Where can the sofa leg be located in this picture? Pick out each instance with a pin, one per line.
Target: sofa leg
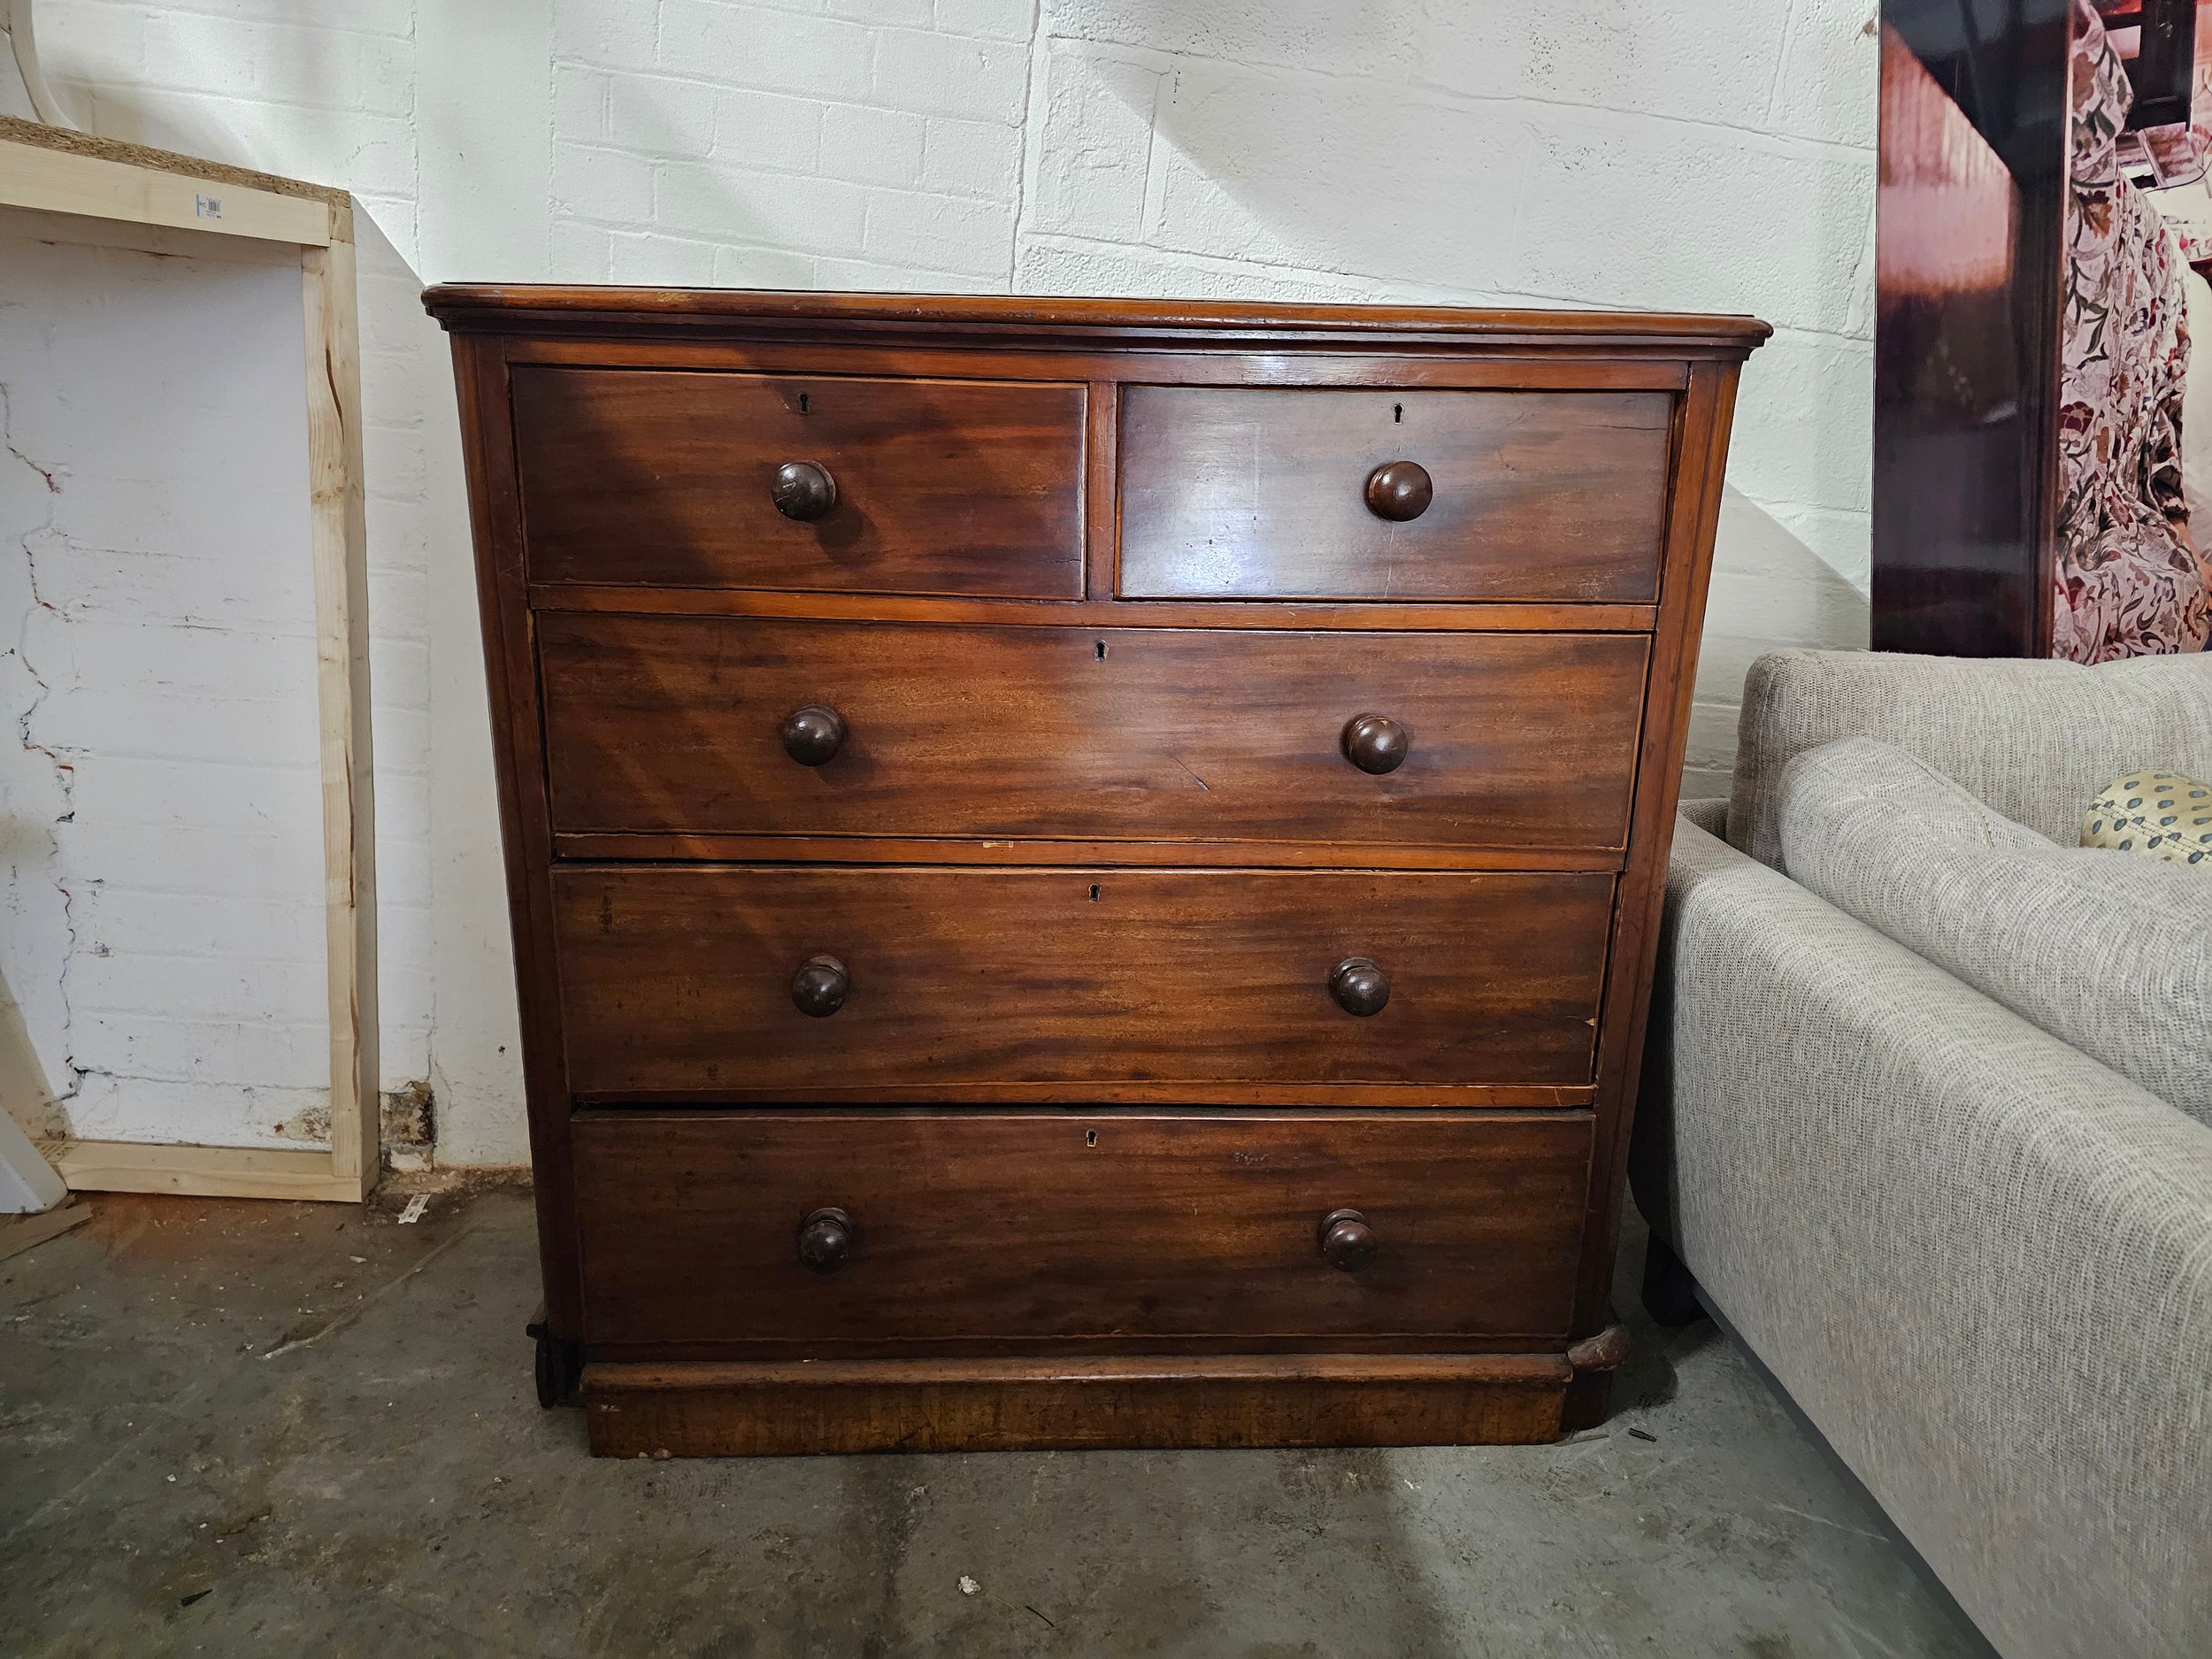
(1669, 1288)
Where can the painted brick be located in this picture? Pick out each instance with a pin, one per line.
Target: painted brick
(613, 36)
(995, 20)
(651, 260)
(949, 232)
(1720, 68)
(895, 11)
(1347, 37)
(1093, 155)
(579, 102)
(1792, 218)
(870, 146)
(1829, 70)
(764, 268)
(973, 158)
(1281, 169)
(135, 1109)
(807, 215)
(762, 129)
(942, 74)
(770, 50)
(579, 253)
(607, 185)
(873, 276)
(658, 116)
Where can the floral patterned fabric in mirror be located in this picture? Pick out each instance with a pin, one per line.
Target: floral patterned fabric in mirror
(2130, 580)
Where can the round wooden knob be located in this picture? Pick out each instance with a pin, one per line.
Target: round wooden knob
(1399, 490)
(1346, 1240)
(805, 490)
(819, 987)
(812, 734)
(826, 1241)
(1376, 743)
(1359, 986)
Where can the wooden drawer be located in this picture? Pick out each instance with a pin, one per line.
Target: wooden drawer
(942, 486)
(1006, 1226)
(1235, 492)
(672, 724)
(677, 982)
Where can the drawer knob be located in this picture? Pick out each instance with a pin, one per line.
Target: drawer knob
(1400, 491)
(1359, 986)
(819, 987)
(826, 1241)
(811, 736)
(1376, 743)
(1346, 1240)
(805, 490)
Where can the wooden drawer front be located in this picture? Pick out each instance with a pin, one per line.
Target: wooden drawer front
(1011, 1225)
(943, 487)
(676, 981)
(1248, 493)
(672, 724)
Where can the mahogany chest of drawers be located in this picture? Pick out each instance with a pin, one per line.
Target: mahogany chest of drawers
(1084, 872)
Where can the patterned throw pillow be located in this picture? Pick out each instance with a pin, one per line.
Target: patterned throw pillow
(2158, 814)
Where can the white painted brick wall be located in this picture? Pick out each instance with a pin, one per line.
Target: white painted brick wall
(1586, 152)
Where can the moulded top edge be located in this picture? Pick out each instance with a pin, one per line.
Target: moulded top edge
(503, 306)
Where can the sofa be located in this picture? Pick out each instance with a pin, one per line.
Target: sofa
(1975, 1254)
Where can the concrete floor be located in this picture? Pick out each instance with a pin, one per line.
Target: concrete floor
(239, 1428)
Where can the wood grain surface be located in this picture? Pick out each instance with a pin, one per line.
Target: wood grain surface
(944, 487)
(676, 982)
(1071, 1224)
(772, 1410)
(670, 724)
(1244, 493)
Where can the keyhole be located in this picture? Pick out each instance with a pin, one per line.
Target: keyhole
(1090, 1137)
(1102, 651)
(1397, 411)
(1093, 892)
(803, 400)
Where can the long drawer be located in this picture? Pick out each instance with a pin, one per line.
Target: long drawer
(773, 982)
(675, 725)
(695, 1227)
(899, 485)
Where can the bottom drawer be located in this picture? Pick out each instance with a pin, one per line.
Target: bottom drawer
(965, 1227)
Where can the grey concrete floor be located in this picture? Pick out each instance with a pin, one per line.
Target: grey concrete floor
(240, 1428)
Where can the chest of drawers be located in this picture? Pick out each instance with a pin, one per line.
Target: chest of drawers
(1083, 873)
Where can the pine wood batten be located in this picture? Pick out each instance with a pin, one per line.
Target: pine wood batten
(51, 170)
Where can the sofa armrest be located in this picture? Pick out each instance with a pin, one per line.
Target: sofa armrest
(1978, 1260)
(1709, 816)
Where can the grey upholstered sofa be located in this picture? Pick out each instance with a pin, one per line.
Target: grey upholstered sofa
(1979, 1260)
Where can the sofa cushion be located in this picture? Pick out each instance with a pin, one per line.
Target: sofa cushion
(2111, 953)
(2035, 740)
(2155, 814)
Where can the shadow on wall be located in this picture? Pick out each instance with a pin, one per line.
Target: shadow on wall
(1637, 165)
(1771, 591)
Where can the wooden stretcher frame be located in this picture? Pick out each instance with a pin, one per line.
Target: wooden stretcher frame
(56, 170)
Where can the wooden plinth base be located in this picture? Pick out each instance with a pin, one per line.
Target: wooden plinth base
(707, 1410)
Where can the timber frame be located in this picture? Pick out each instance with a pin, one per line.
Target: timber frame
(56, 170)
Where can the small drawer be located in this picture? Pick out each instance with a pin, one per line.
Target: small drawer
(708, 981)
(677, 725)
(1231, 493)
(704, 1229)
(899, 487)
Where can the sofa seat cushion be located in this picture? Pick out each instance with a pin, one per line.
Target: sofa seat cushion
(2109, 953)
(2155, 814)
